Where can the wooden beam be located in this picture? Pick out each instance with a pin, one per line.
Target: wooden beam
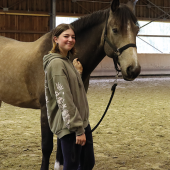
(83, 7)
(165, 7)
(105, 7)
(16, 3)
(19, 12)
(150, 19)
(23, 32)
(4, 3)
(158, 8)
(165, 36)
(63, 14)
(92, 1)
(150, 8)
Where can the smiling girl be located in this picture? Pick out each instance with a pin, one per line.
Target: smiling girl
(66, 101)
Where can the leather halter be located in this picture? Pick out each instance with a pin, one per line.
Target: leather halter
(117, 51)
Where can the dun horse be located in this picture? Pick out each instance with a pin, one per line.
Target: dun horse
(21, 64)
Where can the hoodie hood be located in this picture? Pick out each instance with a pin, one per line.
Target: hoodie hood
(47, 58)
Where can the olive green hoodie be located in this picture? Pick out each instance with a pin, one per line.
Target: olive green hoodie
(66, 101)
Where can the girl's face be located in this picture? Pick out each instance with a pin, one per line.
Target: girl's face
(66, 41)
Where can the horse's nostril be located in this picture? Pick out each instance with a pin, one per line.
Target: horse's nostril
(133, 72)
(129, 70)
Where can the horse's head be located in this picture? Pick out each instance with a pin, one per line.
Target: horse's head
(120, 39)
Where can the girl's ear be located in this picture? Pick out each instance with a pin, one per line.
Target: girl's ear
(55, 39)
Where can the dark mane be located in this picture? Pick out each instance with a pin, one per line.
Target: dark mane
(122, 15)
(90, 20)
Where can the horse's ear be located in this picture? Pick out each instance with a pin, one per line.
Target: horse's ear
(114, 5)
(131, 4)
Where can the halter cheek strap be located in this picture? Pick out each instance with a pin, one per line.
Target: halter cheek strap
(120, 50)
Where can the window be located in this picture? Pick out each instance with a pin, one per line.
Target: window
(66, 20)
(161, 43)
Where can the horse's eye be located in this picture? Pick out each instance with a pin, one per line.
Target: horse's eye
(115, 30)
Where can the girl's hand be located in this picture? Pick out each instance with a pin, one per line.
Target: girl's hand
(78, 65)
(81, 140)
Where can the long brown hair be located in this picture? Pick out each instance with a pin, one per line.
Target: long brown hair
(56, 32)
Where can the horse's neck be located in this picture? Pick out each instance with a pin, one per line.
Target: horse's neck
(89, 31)
(45, 43)
(90, 49)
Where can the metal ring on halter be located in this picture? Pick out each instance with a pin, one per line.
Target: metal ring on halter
(118, 52)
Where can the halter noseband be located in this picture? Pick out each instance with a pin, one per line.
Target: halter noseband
(117, 51)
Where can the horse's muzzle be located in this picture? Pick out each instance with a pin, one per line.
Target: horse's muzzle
(132, 72)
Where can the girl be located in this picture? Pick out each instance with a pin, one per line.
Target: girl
(67, 106)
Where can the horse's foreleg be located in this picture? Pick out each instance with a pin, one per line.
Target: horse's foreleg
(47, 139)
(86, 83)
(0, 103)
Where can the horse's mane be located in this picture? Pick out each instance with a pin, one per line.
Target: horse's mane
(122, 15)
(90, 20)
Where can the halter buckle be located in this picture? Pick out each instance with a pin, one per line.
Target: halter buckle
(118, 52)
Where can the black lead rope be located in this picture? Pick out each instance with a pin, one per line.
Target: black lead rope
(111, 97)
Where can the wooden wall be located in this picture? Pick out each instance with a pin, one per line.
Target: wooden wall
(24, 20)
(23, 28)
(147, 11)
(79, 8)
(27, 20)
(26, 5)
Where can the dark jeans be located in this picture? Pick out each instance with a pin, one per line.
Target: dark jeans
(77, 157)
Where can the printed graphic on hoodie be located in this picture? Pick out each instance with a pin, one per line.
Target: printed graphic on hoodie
(62, 105)
(46, 97)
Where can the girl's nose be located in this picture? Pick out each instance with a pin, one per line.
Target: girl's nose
(70, 39)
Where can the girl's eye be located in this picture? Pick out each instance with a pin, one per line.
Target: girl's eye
(115, 30)
(73, 37)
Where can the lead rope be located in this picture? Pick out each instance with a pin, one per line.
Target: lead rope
(111, 97)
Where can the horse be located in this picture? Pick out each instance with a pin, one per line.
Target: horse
(110, 32)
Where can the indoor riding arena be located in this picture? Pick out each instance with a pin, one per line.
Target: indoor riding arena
(135, 132)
